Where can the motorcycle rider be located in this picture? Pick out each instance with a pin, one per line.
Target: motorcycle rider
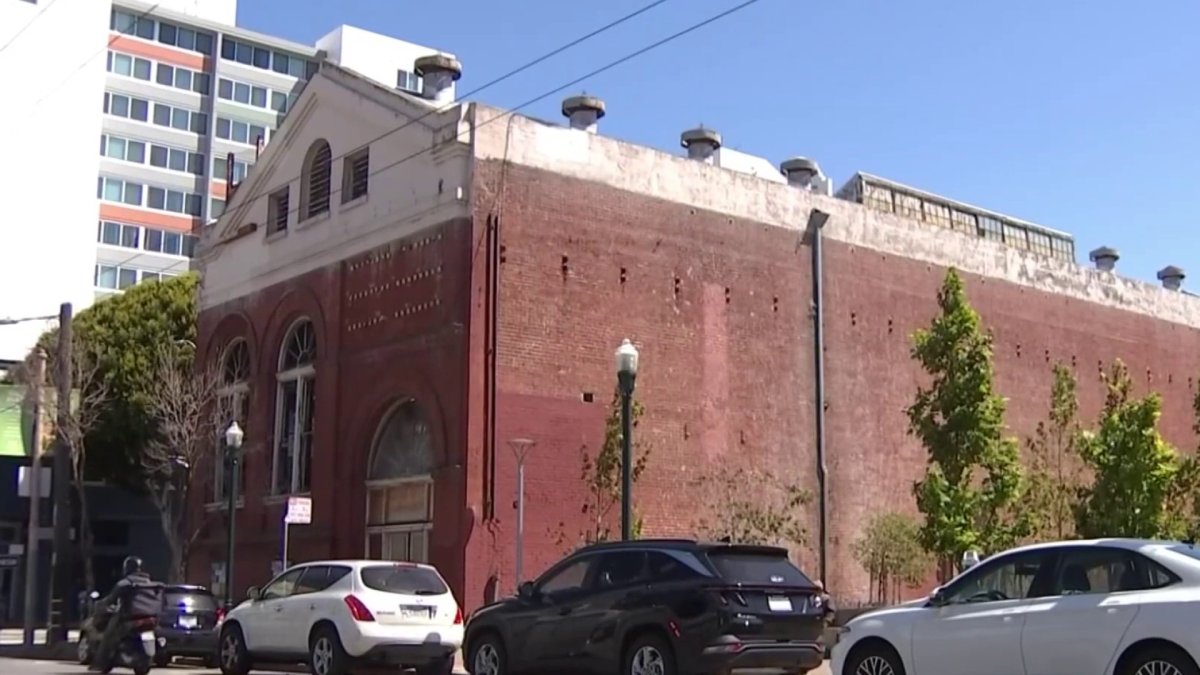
(136, 596)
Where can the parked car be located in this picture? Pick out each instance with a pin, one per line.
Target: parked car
(187, 626)
(1106, 606)
(337, 615)
(654, 606)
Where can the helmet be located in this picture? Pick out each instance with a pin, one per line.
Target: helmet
(132, 565)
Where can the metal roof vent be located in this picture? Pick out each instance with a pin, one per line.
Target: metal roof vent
(438, 74)
(1171, 277)
(1105, 258)
(584, 112)
(805, 174)
(701, 143)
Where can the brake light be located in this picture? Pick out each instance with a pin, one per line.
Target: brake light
(220, 615)
(458, 617)
(358, 610)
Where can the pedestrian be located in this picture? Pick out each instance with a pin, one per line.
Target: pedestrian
(827, 608)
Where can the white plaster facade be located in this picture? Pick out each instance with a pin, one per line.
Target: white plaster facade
(412, 200)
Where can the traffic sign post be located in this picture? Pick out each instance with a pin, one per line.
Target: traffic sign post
(299, 512)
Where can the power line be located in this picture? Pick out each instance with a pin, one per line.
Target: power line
(26, 319)
(516, 71)
(89, 59)
(608, 66)
(26, 26)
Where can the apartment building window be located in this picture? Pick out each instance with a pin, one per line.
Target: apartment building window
(175, 201)
(123, 148)
(221, 169)
(182, 78)
(129, 66)
(240, 132)
(406, 81)
(118, 234)
(169, 243)
(119, 105)
(278, 208)
(117, 278)
(216, 208)
(185, 38)
(253, 95)
(119, 191)
(991, 229)
(296, 66)
(129, 23)
(177, 160)
(180, 118)
(245, 53)
(356, 170)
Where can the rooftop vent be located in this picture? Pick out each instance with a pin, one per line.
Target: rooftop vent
(1171, 277)
(805, 174)
(438, 73)
(1105, 258)
(702, 144)
(584, 112)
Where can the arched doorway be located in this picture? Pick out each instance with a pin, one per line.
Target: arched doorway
(400, 486)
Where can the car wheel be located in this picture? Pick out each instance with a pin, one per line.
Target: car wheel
(1160, 661)
(873, 660)
(325, 653)
(649, 654)
(83, 651)
(235, 660)
(487, 656)
(442, 666)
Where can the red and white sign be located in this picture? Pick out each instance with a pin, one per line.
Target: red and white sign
(299, 511)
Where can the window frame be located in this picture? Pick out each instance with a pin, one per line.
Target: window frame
(304, 376)
(1143, 564)
(1050, 556)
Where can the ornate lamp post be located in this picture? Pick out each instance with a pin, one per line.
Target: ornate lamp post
(627, 365)
(233, 448)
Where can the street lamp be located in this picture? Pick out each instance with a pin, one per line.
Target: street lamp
(627, 365)
(520, 448)
(233, 445)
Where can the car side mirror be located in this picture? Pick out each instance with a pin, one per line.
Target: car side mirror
(525, 591)
(938, 597)
(252, 593)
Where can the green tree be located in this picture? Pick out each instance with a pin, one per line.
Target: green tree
(124, 334)
(889, 549)
(1054, 480)
(749, 506)
(974, 473)
(1135, 470)
(601, 476)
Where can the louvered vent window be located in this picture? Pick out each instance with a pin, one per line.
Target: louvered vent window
(355, 173)
(278, 210)
(317, 169)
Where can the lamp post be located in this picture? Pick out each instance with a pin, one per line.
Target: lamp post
(627, 365)
(520, 448)
(233, 446)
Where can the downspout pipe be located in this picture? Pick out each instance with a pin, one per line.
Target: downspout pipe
(816, 222)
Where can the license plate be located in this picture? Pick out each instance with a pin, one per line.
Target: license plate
(416, 612)
(779, 603)
(187, 622)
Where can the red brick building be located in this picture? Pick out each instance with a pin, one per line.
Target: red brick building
(466, 281)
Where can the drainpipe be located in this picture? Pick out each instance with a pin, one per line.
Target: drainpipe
(816, 221)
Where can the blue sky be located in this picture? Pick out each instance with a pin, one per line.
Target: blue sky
(1079, 115)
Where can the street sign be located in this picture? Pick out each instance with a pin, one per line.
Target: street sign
(24, 483)
(299, 511)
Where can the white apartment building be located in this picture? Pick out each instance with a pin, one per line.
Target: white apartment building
(125, 117)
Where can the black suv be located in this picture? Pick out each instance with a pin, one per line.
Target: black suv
(654, 606)
(187, 626)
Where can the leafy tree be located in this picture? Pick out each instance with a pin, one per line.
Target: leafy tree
(1054, 480)
(1135, 469)
(889, 549)
(601, 476)
(749, 506)
(125, 333)
(974, 473)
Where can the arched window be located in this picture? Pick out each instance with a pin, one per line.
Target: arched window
(315, 180)
(233, 397)
(291, 460)
(400, 486)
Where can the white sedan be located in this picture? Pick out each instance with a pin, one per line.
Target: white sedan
(336, 615)
(1098, 607)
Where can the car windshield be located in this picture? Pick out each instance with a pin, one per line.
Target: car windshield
(404, 579)
(196, 601)
(745, 567)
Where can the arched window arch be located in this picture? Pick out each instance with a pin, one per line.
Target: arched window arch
(315, 180)
(400, 486)
(291, 471)
(233, 398)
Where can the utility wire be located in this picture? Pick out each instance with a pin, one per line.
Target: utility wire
(516, 71)
(26, 319)
(608, 66)
(26, 26)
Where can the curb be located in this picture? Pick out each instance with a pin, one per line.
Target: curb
(60, 652)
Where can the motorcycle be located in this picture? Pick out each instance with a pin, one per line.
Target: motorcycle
(136, 648)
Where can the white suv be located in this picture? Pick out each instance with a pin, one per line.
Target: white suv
(337, 614)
